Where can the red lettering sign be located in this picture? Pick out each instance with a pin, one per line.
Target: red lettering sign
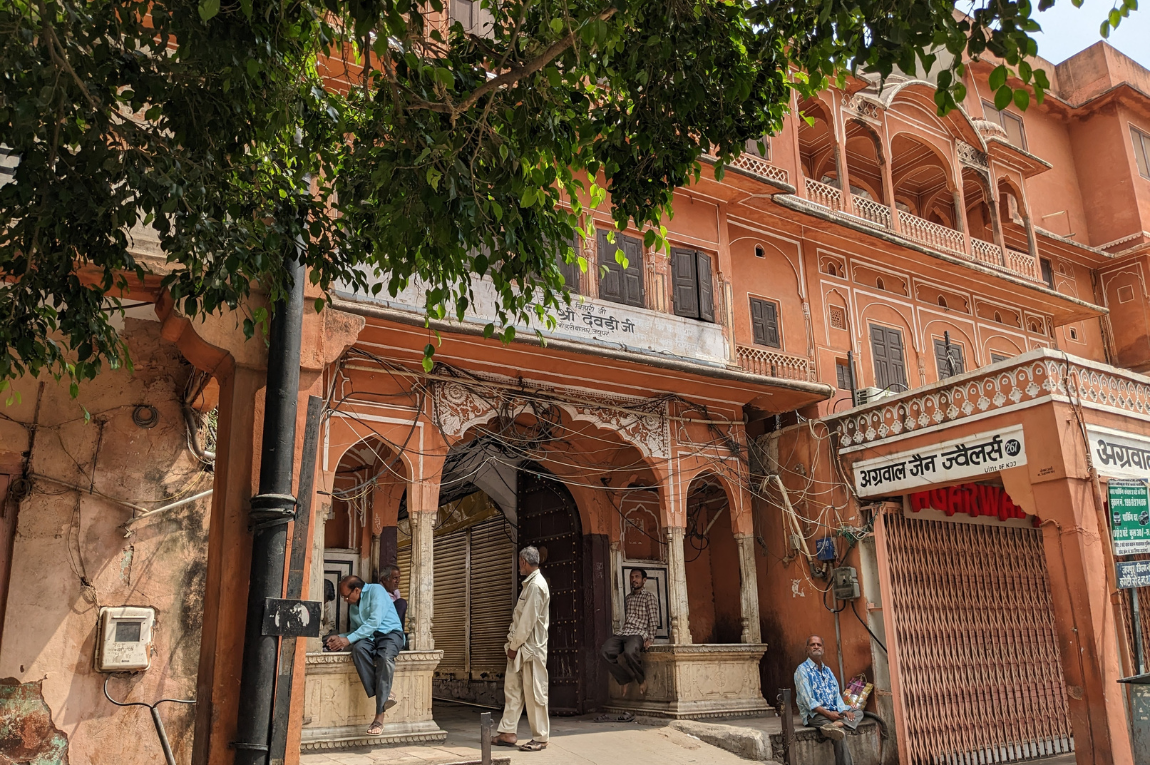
(969, 499)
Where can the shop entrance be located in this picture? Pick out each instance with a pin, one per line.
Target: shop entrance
(973, 642)
(549, 519)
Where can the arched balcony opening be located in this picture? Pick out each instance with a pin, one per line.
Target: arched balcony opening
(865, 170)
(712, 563)
(818, 155)
(1019, 246)
(981, 218)
(924, 195)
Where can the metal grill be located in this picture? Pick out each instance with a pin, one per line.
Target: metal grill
(1130, 666)
(975, 651)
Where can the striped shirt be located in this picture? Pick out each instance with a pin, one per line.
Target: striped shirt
(641, 615)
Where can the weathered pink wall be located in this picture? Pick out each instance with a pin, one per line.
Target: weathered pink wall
(71, 555)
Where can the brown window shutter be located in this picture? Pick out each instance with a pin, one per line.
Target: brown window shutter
(633, 274)
(686, 285)
(765, 323)
(889, 360)
(570, 271)
(706, 287)
(611, 279)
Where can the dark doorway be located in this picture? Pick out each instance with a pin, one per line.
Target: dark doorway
(549, 519)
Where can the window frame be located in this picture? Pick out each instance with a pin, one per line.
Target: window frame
(998, 116)
(871, 327)
(939, 344)
(752, 299)
(1141, 140)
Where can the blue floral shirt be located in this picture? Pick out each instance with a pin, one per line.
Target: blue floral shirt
(815, 688)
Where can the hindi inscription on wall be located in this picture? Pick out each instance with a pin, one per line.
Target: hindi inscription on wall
(970, 457)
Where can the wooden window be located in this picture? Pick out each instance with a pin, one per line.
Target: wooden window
(765, 323)
(1141, 151)
(956, 366)
(571, 272)
(842, 374)
(694, 287)
(621, 285)
(997, 357)
(889, 357)
(752, 147)
(475, 19)
(1010, 122)
(1047, 272)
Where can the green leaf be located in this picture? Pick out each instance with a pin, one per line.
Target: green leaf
(209, 9)
(1003, 97)
(997, 77)
(556, 25)
(1021, 99)
(445, 76)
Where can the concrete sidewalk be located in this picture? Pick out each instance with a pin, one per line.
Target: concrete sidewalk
(574, 741)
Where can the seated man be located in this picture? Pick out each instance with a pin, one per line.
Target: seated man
(376, 638)
(389, 578)
(639, 626)
(821, 702)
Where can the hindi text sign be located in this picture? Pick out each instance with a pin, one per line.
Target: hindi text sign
(977, 455)
(1129, 516)
(1133, 573)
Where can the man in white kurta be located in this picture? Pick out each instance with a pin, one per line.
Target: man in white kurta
(525, 683)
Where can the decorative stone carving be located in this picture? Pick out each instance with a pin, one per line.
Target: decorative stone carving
(421, 588)
(697, 681)
(457, 407)
(858, 105)
(336, 711)
(969, 155)
(1036, 375)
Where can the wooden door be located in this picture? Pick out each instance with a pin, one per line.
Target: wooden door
(549, 519)
(889, 358)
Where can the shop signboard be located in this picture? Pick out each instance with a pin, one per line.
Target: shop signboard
(1117, 454)
(972, 457)
(1133, 573)
(1129, 515)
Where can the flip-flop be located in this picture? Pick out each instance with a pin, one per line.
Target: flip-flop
(501, 742)
(376, 727)
(533, 746)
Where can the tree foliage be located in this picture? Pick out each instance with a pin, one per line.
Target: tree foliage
(376, 137)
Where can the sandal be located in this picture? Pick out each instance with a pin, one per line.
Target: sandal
(501, 742)
(533, 746)
(375, 729)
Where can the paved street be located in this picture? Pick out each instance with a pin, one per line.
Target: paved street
(574, 741)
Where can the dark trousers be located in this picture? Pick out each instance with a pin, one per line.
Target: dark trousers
(624, 658)
(374, 660)
(842, 751)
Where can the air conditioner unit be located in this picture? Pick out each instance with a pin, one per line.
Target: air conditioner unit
(864, 396)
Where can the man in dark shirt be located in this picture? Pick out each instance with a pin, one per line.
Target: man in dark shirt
(389, 578)
(641, 622)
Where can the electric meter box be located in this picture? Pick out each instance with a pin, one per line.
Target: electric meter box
(845, 583)
(125, 640)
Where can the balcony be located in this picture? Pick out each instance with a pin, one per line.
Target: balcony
(759, 361)
(587, 321)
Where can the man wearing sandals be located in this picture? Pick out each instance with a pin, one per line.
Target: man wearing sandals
(821, 702)
(375, 640)
(525, 683)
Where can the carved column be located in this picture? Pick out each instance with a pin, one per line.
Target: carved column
(421, 587)
(315, 576)
(677, 585)
(618, 587)
(748, 588)
(375, 563)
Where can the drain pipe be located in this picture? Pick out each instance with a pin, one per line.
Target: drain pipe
(271, 511)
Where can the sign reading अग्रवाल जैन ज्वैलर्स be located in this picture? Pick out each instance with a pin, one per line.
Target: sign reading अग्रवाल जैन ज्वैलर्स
(969, 457)
(1129, 515)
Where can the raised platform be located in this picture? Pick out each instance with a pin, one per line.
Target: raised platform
(696, 682)
(336, 711)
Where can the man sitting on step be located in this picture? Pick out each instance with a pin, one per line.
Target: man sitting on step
(375, 640)
(623, 651)
(821, 703)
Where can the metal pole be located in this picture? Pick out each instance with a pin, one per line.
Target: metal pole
(788, 719)
(851, 374)
(271, 511)
(1139, 649)
(946, 350)
(168, 756)
(485, 738)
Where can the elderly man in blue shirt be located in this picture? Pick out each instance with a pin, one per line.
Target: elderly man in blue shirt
(376, 638)
(821, 702)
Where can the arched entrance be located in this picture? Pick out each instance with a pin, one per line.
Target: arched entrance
(548, 518)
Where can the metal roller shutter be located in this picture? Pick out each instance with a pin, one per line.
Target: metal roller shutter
(449, 618)
(974, 645)
(492, 583)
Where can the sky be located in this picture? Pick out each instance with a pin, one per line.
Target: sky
(1066, 30)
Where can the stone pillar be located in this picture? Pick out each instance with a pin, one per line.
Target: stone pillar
(677, 585)
(748, 588)
(375, 564)
(618, 587)
(315, 574)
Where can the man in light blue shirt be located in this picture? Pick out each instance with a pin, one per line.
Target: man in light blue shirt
(375, 639)
(821, 703)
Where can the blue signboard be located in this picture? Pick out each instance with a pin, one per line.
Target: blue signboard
(1134, 573)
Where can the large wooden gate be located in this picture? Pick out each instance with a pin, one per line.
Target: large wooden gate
(549, 519)
(973, 648)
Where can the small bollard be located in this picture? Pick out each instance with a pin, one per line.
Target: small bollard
(788, 719)
(485, 738)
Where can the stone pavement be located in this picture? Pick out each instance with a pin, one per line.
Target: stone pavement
(574, 741)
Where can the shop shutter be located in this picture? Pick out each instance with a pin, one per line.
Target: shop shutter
(449, 620)
(889, 360)
(765, 323)
(940, 359)
(972, 637)
(403, 560)
(621, 285)
(492, 582)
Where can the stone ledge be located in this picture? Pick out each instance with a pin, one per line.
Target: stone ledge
(363, 740)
